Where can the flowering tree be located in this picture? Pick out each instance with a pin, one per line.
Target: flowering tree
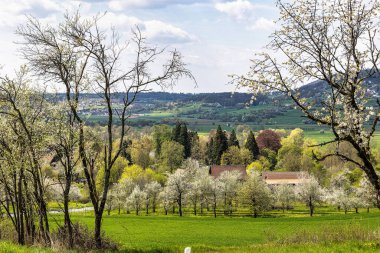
(336, 43)
(284, 195)
(310, 192)
(152, 190)
(179, 184)
(136, 199)
(256, 194)
(229, 186)
(166, 198)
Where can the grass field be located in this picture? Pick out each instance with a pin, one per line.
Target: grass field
(293, 231)
(289, 232)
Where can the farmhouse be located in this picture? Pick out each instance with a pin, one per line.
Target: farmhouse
(288, 177)
(216, 170)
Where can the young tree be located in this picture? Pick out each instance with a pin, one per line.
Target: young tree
(310, 192)
(65, 148)
(214, 193)
(137, 199)
(285, 196)
(166, 197)
(194, 194)
(367, 193)
(179, 184)
(251, 145)
(229, 187)
(336, 44)
(341, 199)
(256, 194)
(78, 52)
(152, 190)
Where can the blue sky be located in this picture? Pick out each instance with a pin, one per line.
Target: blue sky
(216, 37)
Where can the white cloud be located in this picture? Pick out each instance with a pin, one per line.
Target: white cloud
(119, 5)
(155, 30)
(246, 12)
(166, 33)
(239, 10)
(262, 24)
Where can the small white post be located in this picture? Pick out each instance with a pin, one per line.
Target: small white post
(187, 250)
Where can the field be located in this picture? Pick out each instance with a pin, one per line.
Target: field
(292, 231)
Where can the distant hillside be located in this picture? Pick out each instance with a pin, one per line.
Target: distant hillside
(205, 110)
(317, 89)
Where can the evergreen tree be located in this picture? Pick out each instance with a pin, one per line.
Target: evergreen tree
(233, 141)
(176, 132)
(220, 144)
(210, 152)
(252, 146)
(184, 139)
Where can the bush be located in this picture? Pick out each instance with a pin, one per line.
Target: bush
(83, 239)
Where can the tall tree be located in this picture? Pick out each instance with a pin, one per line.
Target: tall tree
(269, 139)
(220, 144)
(177, 131)
(184, 139)
(233, 141)
(77, 54)
(336, 44)
(251, 145)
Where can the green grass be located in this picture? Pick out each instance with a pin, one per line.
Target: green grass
(236, 234)
(293, 231)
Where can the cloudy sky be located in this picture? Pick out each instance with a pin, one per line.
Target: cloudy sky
(216, 37)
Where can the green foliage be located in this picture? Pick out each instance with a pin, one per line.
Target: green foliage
(251, 145)
(172, 154)
(140, 151)
(233, 141)
(160, 134)
(271, 156)
(220, 145)
(236, 156)
(256, 194)
(141, 176)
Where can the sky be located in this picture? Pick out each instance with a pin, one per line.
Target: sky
(216, 37)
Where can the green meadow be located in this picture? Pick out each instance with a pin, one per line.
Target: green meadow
(292, 231)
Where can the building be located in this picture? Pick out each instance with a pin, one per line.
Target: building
(280, 178)
(216, 170)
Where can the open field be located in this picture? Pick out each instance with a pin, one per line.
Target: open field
(293, 231)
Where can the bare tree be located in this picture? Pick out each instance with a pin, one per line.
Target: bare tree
(76, 53)
(335, 42)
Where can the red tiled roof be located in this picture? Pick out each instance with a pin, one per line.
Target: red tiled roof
(216, 170)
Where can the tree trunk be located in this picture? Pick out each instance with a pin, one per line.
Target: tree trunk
(180, 205)
(68, 224)
(98, 225)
